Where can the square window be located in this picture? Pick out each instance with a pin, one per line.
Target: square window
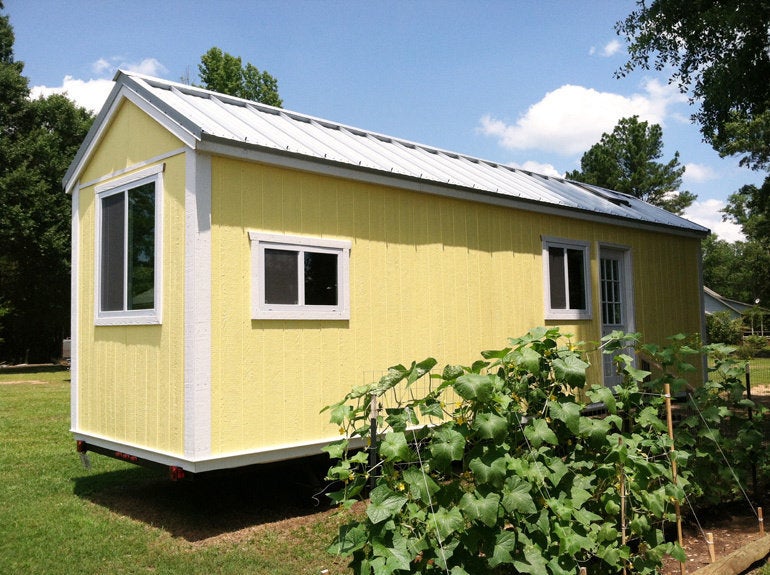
(568, 294)
(299, 278)
(128, 270)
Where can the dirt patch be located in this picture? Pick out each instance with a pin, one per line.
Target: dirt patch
(732, 527)
(28, 381)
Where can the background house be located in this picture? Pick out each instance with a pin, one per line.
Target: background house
(236, 267)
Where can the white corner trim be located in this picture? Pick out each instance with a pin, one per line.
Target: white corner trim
(197, 307)
(75, 309)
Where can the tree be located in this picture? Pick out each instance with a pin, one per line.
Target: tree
(737, 270)
(626, 161)
(38, 139)
(222, 72)
(720, 51)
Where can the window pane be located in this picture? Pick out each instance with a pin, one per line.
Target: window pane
(320, 279)
(281, 279)
(113, 219)
(141, 247)
(576, 278)
(556, 279)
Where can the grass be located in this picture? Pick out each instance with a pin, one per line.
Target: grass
(760, 371)
(56, 517)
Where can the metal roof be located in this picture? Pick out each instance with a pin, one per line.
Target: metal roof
(221, 123)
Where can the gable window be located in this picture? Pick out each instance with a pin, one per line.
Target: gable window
(299, 278)
(567, 293)
(127, 250)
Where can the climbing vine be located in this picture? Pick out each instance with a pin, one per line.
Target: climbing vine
(501, 466)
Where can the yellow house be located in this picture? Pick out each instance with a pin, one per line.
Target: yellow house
(236, 267)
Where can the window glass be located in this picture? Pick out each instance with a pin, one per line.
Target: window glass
(566, 271)
(320, 279)
(281, 282)
(576, 279)
(128, 266)
(112, 260)
(141, 247)
(556, 277)
(297, 277)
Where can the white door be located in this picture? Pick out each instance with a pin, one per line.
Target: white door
(615, 302)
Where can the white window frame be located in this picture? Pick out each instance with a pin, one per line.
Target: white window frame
(260, 310)
(153, 174)
(568, 314)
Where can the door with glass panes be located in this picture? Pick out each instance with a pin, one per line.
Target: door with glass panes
(616, 301)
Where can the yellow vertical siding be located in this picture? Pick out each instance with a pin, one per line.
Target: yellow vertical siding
(429, 276)
(130, 378)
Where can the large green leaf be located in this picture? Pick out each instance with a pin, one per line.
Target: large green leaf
(474, 386)
(567, 412)
(445, 522)
(447, 445)
(489, 469)
(516, 497)
(527, 359)
(570, 369)
(482, 509)
(351, 537)
(384, 503)
(420, 369)
(534, 562)
(490, 426)
(539, 433)
(505, 544)
(395, 447)
(421, 486)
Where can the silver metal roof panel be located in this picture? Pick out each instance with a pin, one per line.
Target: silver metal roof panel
(240, 124)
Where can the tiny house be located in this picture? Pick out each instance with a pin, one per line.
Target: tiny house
(236, 267)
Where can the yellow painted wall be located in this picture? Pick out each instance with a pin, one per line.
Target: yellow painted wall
(430, 276)
(130, 378)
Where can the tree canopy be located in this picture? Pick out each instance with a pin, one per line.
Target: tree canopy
(626, 160)
(720, 53)
(38, 139)
(225, 73)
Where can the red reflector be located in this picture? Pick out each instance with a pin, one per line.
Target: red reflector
(82, 446)
(177, 473)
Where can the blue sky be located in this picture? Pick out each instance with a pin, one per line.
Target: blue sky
(525, 83)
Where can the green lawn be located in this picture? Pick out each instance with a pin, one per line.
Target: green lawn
(56, 517)
(760, 371)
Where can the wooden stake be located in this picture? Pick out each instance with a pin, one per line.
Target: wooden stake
(761, 521)
(670, 422)
(710, 543)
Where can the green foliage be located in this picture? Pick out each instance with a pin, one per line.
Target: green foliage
(513, 477)
(721, 425)
(225, 73)
(739, 270)
(719, 53)
(38, 139)
(627, 161)
(722, 328)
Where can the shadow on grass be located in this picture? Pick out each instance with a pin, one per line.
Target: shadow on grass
(212, 504)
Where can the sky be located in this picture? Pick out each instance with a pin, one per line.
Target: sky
(526, 83)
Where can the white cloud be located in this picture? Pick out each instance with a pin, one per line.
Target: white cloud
(609, 49)
(570, 119)
(538, 168)
(698, 173)
(708, 213)
(92, 93)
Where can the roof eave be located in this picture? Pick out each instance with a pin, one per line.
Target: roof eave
(286, 158)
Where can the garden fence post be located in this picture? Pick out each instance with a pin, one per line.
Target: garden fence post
(670, 422)
(373, 409)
